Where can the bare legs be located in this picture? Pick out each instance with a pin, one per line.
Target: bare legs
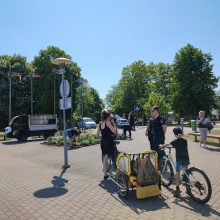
(105, 165)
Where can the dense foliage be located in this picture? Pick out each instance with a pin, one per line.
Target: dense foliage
(45, 89)
(20, 87)
(194, 82)
(141, 85)
(182, 88)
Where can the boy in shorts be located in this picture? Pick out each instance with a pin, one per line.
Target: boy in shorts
(182, 156)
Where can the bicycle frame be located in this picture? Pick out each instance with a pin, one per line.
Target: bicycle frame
(182, 172)
(199, 190)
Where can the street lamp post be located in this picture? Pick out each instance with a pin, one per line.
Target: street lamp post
(31, 75)
(9, 107)
(61, 62)
(71, 94)
(10, 74)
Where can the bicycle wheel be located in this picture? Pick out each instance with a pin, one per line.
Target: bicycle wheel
(122, 179)
(167, 173)
(199, 186)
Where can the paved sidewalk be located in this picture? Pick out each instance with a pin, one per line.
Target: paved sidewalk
(33, 185)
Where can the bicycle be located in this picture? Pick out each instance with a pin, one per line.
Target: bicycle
(197, 183)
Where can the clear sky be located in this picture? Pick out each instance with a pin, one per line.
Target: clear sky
(103, 36)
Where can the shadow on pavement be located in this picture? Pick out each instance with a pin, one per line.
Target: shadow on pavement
(213, 149)
(136, 205)
(15, 142)
(202, 209)
(109, 186)
(55, 191)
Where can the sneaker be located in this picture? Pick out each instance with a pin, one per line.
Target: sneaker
(106, 177)
(187, 190)
(177, 193)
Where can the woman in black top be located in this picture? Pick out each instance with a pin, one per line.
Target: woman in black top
(108, 131)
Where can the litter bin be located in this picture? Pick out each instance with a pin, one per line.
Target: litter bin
(193, 125)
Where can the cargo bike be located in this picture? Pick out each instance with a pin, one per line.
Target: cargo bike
(136, 171)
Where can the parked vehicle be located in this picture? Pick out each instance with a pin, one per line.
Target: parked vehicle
(24, 126)
(120, 122)
(85, 123)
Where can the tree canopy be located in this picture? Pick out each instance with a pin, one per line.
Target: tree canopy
(184, 87)
(10, 67)
(45, 89)
(194, 82)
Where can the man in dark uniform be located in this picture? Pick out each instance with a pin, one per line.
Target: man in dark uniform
(156, 130)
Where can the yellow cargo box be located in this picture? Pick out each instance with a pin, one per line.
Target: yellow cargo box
(147, 191)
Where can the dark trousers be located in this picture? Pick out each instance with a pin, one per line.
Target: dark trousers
(125, 129)
(156, 140)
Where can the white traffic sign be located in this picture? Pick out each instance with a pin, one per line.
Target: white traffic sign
(65, 103)
(64, 88)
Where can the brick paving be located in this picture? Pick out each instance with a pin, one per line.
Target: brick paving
(33, 185)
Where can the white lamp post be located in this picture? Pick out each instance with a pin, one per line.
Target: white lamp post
(61, 62)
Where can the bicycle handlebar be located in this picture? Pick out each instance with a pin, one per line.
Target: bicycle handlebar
(116, 142)
(163, 148)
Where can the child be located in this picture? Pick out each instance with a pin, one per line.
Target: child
(182, 155)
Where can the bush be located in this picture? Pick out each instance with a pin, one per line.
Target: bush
(87, 139)
(81, 140)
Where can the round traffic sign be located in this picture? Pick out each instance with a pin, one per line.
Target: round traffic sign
(64, 88)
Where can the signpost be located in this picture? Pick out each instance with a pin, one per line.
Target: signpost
(65, 102)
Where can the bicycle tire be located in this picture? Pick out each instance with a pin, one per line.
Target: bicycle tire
(167, 174)
(122, 179)
(199, 186)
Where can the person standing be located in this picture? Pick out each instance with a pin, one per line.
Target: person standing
(156, 131)
(112, 118)
(131, 120)
(108, 131)
(182, 156)
(202, 122)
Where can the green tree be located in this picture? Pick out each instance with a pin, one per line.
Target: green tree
(44, 88)
(194, 82)
(20, 87)
(138, 83)
(132, 89)
(89, 100)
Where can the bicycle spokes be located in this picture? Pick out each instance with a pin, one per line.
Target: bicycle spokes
(199, 186)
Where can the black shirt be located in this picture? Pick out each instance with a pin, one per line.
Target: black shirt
(181, 147)
(155, 125)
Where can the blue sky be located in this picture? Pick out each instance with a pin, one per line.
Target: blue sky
(103, 36)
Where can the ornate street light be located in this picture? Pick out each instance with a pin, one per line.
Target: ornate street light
(64, 91)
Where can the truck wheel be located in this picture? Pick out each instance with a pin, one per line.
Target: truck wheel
(46, 135)
(22, 137)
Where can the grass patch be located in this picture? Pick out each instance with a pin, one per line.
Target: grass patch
(2, 136)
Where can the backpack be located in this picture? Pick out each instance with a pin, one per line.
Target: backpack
(146, 173)
(210, 126)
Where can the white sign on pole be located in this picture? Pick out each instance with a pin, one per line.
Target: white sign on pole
(64, 88)
(65, 103)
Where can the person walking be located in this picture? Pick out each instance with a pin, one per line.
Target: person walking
(156, 131)
(108, 132)
(202, 122)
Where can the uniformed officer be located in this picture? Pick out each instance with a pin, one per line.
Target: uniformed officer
(156, 130)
